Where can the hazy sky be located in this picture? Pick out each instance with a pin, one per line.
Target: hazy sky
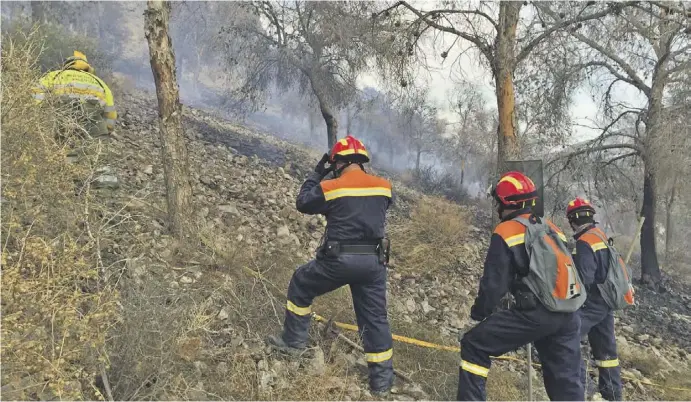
(463, 65)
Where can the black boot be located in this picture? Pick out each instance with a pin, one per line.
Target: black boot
(277, 343)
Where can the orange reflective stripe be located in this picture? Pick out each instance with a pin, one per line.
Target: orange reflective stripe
(565, 273)
(508, 229)
(355, 183)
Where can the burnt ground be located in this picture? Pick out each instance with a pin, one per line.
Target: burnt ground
(267, 153)
(663, 313)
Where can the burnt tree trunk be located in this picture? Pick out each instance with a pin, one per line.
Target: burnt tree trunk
(173, 146)
(462, 172)
(650, 267)
(669, 225)
(417, 160)
(503, 67)
(327, 113)
(331, 123)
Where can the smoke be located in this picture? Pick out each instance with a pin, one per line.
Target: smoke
(200, 61)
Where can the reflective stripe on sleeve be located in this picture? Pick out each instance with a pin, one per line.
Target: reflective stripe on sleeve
(298, 310)
(474, 368)
(379, 357)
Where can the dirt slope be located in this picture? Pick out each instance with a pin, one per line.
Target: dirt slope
(215, 313)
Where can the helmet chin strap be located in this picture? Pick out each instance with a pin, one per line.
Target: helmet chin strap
(338, 172)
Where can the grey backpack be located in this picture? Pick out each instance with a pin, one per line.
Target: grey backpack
(552, 276)
(617, 290)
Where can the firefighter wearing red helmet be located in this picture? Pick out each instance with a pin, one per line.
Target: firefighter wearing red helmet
(591, 257)
(353, 252)
(507, 265)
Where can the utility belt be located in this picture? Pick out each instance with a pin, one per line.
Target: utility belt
(379, 247)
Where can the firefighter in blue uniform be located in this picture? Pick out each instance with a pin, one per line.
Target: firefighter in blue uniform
(555, 334)
(354, 252)
(591, 257)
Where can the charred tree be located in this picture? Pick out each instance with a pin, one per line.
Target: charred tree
(172, 135)
(669, 224)
(328, 115)
(650, 267)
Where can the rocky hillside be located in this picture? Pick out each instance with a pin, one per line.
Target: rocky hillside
(213, 301)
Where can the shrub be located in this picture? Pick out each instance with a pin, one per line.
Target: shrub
(432, 239)
(56, 307)
(431, 182)
(57, 43)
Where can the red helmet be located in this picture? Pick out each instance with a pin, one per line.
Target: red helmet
(581, 207)
(349, 149)
(515, 188)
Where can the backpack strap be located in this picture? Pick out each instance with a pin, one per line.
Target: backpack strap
(522, 220)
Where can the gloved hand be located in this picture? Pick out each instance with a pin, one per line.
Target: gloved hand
(321, 168)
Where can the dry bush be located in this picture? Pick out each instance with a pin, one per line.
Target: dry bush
(171, 343)
(432, 239)
(56, 307)
(58, 43)
(429, 181)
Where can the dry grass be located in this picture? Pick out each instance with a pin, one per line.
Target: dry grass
(505, 385)
(172, 345)
(668, 375)
(57, 305)
(432, 239)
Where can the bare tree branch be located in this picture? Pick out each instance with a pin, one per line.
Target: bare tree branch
(560, 25)
(476, 40)
(588, 150)
(630, 72)
(620, 157)
(669, 9)
(476, 12)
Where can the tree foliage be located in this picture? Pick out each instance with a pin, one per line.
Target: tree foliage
(320, 48)
(645, 49)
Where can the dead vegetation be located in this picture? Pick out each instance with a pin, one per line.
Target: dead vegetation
(432, 238)
(643, 366)
(56, 307)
